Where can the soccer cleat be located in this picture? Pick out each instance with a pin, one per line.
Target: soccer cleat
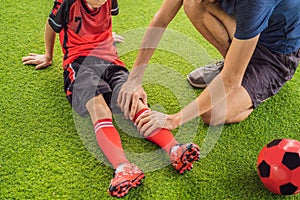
(183, 156)
(202, 76)
(126, 176)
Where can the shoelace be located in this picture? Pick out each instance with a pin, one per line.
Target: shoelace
(120, 171)
(174, 153)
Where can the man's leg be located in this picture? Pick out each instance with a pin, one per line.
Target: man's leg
(212, 22)
(232, 109)
(218, 28)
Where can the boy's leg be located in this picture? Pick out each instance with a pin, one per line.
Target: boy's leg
(127, 175)
(182, 155)
(89, 93)
(232, 109)
(162, 137)
(116, 76)
(107, 136)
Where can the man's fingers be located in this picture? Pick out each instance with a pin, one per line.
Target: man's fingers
(143, 128)
(142, 120)
(144, 100)
(134, 105)
(140, 117)
(148, 130)
(126, 106)
(120, 99)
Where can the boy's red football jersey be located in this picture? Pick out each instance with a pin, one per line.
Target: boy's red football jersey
(83, 31)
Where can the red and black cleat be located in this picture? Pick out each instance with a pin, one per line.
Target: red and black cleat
(183, 156)
(126, 176)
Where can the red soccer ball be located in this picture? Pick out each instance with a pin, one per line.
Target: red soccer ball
(278, 166)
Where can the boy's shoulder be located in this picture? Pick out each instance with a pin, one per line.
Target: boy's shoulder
(62, 4)
(59, 14)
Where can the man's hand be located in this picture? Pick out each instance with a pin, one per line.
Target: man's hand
(148, 122)
(130, 94)
(41, 61)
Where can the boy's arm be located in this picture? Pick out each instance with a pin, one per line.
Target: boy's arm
(43, 60)
(132, 91)
(49, 39)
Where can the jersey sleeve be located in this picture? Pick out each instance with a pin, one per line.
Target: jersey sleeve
(114, 7)
(252, 17)
(59, 15)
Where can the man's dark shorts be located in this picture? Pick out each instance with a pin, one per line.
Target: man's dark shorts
(88, 77)
(267, 72)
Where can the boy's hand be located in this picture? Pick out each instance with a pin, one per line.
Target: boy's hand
(117, 38)
(41, 61)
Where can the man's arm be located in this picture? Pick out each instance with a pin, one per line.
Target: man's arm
(43, 60)
(236, 62)
(230, 78)
(132, 90)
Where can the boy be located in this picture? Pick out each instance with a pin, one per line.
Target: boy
(93, 75)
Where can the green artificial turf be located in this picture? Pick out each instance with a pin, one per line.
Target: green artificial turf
(48, 152)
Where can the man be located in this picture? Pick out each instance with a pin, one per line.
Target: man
(259, 40)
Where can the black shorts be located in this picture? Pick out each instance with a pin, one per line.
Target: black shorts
(88, 77)
(267, 72)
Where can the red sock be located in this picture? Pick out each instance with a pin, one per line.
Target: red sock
(109, 141)
(162, 137)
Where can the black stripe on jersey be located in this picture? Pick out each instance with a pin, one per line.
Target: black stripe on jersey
(65, 43)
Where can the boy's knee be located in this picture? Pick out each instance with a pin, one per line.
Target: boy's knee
(104, 110)
(98, 108)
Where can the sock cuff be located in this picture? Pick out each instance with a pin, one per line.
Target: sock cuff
(103, 123)
(144, 110)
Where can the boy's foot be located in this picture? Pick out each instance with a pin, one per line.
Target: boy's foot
(183, 156)
(202, 76)
(126, 176)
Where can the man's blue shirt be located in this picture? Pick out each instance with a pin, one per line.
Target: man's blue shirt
(277, 22)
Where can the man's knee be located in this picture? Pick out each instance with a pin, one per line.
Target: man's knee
(202, 6)
(222, 117)
(212, 119)
(191, 6)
